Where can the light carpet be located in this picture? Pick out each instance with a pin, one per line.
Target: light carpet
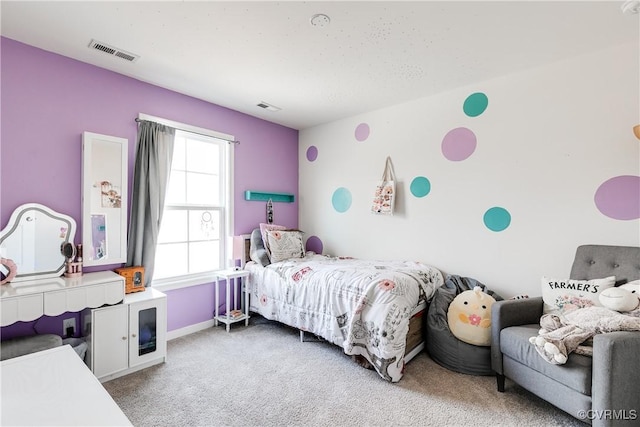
(262, 375)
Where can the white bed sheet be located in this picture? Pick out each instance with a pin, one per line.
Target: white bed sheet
(363, 306)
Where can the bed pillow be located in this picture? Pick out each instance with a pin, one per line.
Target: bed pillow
(257, 251)
(285, 244)
(563, 295)
(264, 228)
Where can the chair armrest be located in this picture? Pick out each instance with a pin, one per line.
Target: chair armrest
(511, 313)
(516, 312)
(616, 377)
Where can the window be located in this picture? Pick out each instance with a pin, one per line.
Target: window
(191, 242)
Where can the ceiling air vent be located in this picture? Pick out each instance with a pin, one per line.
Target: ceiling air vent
(103, 47)
(268, 106)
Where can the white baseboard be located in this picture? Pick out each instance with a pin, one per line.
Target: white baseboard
(128, 371)
(177, 333)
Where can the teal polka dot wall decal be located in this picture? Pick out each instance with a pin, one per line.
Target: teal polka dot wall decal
(497, 219)
(341, 200)
(420, 186)
(475, 104)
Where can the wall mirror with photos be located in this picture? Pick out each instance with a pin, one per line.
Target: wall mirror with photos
(104, 199)
(33, 238)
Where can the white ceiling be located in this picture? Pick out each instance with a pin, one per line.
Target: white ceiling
(371, 55)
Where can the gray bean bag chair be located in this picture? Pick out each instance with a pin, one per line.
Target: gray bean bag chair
(442, 345)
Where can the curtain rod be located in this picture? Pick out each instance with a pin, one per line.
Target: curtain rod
(184, 130)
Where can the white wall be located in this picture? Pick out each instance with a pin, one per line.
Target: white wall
(548, 139)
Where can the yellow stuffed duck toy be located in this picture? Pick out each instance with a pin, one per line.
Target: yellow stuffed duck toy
(469, 317)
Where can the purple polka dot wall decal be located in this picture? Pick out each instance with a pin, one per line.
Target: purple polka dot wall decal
(458, 144)
(312, 153)
(362, 132)
(619, 197)
(314, 244)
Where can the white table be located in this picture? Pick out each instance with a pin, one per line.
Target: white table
(55, 388)
(239, 289)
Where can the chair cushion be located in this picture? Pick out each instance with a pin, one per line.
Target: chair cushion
(24, 345)
(575, 374)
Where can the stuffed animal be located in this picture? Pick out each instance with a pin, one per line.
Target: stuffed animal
(561, 334)
(469, 317)
(11, 270)
(618, 299)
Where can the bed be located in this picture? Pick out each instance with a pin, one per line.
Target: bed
(372, 309)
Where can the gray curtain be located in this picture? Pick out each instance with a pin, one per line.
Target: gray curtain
(150, 180)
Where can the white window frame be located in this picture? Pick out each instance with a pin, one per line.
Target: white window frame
(226, 237)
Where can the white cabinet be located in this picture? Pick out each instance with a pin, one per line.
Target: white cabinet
(127, 337)
(108, 342)
(147, 328)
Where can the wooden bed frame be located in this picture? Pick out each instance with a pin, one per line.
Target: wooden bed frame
(415, 340)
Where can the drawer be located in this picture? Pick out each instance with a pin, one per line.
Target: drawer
(24, 309)
(77, 299)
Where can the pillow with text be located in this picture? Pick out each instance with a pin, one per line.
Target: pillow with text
(562, 295)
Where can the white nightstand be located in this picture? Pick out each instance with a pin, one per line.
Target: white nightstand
(231, 281)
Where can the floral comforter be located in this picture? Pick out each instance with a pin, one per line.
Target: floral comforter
(361, 305)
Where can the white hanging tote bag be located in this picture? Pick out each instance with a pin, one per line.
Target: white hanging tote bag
(385, 195)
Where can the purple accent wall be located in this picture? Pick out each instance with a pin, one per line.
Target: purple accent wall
(44, 325)
(48, 100)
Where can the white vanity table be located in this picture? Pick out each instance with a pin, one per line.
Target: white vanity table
(29, 300)
(124, 333)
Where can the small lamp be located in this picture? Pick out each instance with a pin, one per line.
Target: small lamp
(636, 131)
(239, 250)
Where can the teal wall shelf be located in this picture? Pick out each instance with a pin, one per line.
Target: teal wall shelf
(264, 196)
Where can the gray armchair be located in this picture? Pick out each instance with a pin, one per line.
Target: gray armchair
(603, 390)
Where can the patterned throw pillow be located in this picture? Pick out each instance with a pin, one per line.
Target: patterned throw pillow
(563, 295)
(264, 228)
(285, 244)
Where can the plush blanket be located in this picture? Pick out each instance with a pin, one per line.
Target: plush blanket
(362, 306)
(562, 334)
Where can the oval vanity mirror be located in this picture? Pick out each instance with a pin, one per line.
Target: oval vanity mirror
(33, 239)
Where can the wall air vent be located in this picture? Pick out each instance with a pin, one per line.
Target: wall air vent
(268, 106)
(103, 47)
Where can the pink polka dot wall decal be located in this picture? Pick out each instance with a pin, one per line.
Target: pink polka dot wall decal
(458, 144)
(362, 132)
(312, 153)
(619, 197)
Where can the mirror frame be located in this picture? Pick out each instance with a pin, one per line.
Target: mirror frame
(107, 209)
(14, 222)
